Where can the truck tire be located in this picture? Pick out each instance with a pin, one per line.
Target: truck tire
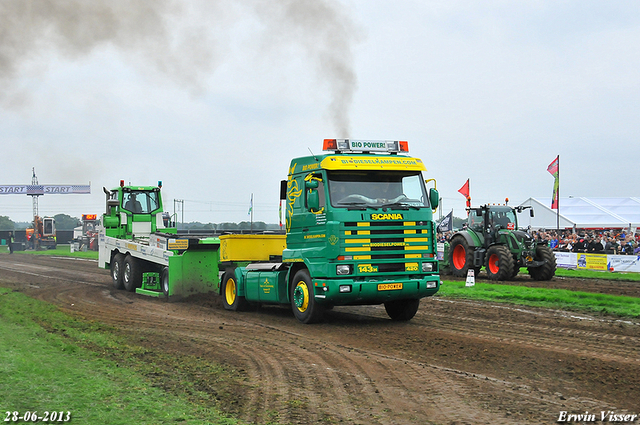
(164, 281)
(131, 274)
(117, 264)
(500, 263)
(548, 269)
(461, 257)
(402, 310)
(230, 298)
(303, 302)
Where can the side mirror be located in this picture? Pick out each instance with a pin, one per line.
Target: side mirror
(531, 212)
(283, 190)
(434, 198)
(313, 198)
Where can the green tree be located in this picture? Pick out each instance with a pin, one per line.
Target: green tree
(66, 222)
(6, 223)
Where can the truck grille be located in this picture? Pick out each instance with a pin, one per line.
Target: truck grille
(401, 244)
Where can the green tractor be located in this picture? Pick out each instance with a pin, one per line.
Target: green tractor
(492, 239)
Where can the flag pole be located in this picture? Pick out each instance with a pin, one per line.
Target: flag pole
(558, 209)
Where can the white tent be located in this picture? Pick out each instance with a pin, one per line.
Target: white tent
(583, 213)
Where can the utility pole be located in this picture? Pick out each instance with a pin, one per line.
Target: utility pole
(181, 208)
(34, 183)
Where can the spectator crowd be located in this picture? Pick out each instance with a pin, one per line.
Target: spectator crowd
(617, 242)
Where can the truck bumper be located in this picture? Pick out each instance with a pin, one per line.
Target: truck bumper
(369, 292)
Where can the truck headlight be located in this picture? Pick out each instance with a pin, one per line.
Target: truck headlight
(345, 288)
(343, 269)
(427, 267)
(432, 285)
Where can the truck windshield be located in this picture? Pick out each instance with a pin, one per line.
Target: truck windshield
(140, 202)
(376, 189)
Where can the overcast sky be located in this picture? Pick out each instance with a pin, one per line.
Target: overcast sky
(215, 100)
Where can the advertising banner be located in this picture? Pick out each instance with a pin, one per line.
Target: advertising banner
(624, 263)
(584, 261)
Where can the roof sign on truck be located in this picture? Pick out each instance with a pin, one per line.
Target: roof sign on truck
(351, 145)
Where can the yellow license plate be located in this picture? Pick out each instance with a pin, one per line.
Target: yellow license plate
(389, 286)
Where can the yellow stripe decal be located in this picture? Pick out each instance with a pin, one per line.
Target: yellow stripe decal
(363, 241)
(356, 249)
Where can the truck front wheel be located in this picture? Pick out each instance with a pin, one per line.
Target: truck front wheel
(131, 274)
(230, 298)
(116, 271)
(303, 302)
(402, 310)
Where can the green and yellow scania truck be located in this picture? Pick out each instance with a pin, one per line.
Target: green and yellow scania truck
(359, 231)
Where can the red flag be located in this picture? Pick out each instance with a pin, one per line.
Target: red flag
(464, 190)
(553, 167)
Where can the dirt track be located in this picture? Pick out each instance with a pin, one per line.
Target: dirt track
(456, 362)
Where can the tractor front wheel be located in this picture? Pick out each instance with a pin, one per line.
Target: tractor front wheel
(500, 263)
(461, 257)
(548, 269)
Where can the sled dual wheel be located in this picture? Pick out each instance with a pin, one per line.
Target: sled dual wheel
(117, 264)
(230, 298)
(303, 302)
(402, 310)
(131, 273)
(461, 257)
(548, 269)
(500, 263)
(164, 281)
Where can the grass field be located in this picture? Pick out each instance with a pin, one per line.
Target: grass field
(559, 299)
(51, 362)
(61, 251)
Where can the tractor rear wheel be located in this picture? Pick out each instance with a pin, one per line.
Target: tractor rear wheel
(461, 257)
(548, 269)
(500, 263)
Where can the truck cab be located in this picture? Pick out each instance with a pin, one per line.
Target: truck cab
(359, 230)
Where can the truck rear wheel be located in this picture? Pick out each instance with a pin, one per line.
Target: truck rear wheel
(131, 274)
(500, 263)
(230, 298)
(303, 302)
(402, 310)
(116, 271)
(461, 257)
(548, 269)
